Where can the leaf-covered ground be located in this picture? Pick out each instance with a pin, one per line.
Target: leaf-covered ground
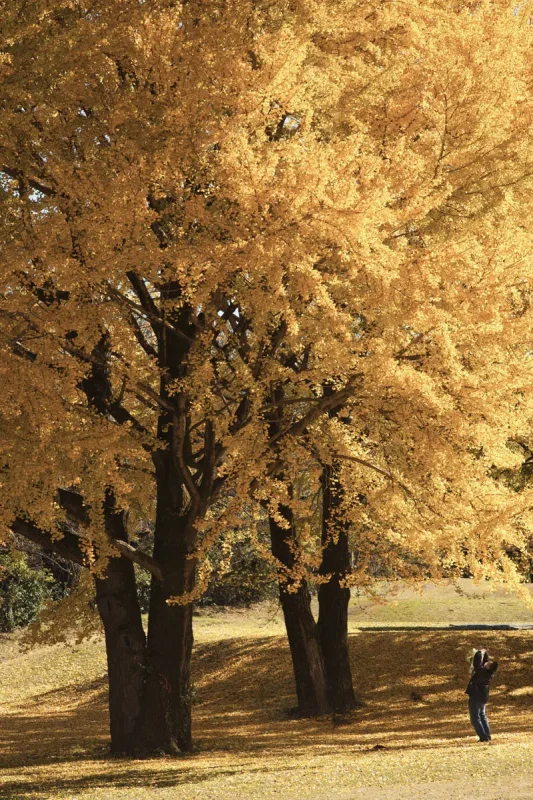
(411, 738)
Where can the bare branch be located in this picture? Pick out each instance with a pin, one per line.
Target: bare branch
(415, 340)
(291, 401)
(139, 335)
(327, 402)
(37, 185)
(368, 464)
(138, 557)
(141, 290)
(144, 400)
(209, 461)
(178, 445)
(155, 396)
(154, 318)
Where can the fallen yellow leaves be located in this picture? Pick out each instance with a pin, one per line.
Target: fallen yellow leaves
(412, 729)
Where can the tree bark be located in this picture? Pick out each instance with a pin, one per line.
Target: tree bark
(307, 660)
(117, 602)
(333, 598)
(118, 605)
(68, 546)
(167, 702)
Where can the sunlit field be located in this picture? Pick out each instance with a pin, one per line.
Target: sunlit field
(410, 738)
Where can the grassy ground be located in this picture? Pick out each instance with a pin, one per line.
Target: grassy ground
(410, 740)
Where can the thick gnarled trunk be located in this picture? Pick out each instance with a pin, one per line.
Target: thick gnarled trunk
(333, 597)
(117, 602)
(167, 703)
(116, 598)
(167, 715)
(307, 660)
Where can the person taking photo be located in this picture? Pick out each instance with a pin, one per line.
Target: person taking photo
(481, 671)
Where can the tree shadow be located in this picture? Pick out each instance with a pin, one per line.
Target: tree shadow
(410, 682)
(412, 685)
(138, 776)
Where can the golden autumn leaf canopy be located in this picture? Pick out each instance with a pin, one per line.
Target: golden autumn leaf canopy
(214, 215)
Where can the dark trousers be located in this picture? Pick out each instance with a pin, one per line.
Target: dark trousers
(479, 720)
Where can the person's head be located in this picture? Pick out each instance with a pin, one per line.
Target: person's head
(480, 658)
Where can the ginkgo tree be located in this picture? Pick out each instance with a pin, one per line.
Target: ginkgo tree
(238, 238)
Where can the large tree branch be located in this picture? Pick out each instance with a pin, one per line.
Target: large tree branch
(269, 351)
(153, 318)
(68, 546)
(179, 424)
(145, 298)
(99, 400)
(78, 514)
(327, 403)
(97, 389)
(208, 461)
(139, 335)
(138, 557)
(96, 386)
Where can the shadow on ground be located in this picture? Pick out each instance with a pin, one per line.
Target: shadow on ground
(412, 685)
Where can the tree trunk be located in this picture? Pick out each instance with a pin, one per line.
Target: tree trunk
(167, 705)
(116, 598)
(117, 602)
(307, 660)
(333, 598)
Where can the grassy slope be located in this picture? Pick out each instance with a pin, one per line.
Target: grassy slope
(54, 726)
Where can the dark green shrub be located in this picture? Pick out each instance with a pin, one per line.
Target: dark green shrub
(22, 590)
(249, 578)
(143, 580)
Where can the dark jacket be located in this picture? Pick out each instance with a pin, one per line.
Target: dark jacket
(478, 685)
